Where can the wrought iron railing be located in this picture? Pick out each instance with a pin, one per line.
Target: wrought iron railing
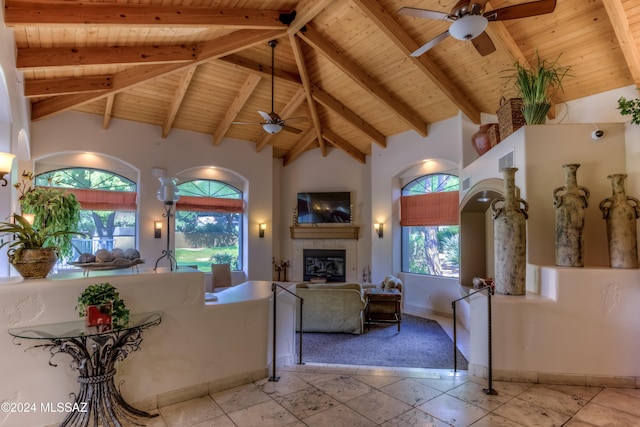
(274, 289)
(489, 292)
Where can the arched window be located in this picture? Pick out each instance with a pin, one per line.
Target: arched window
(429, 220)
(209, 224)
(108, 203)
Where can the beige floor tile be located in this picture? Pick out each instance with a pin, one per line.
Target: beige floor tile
(612, 398)
(338, 416)
(190, 412)
(525, 413)
(493, 420)
(473, 393)
(410, 391)
(453, 411)
(378, 406)
(344, 388)
(266, 414)
(414, 418)
(444, 384)
(563, 400)
(288, 383)
(599, 415)
(377, 381)
(240, 397)
(307, 402)
(149, 422)
(222, 421)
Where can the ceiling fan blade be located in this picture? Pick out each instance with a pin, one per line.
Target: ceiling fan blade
(291, 129)
(265, 116)
(247, 123)
(483, 44)
(431, 43)
(423, 13)
(523, 10)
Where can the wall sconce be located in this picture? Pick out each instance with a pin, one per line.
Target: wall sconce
(157, 229)
(30, 218)
(379, 229)
(261, 227)
(6, 160)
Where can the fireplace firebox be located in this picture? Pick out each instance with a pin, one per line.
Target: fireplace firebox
(326, 264)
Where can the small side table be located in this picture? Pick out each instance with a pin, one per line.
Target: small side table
(95, 353)
(383, 306)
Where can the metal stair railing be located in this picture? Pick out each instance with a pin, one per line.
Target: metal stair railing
(489, 291)
(274, 288)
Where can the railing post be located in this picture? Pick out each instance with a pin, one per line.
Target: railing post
(455, 339)
(300, 332)
(273, 377)
(489, 389)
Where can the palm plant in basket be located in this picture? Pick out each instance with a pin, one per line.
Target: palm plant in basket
(537, 85)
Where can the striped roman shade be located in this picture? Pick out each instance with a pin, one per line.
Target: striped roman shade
(430, 209)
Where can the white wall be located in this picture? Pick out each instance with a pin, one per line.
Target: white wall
(181, 154)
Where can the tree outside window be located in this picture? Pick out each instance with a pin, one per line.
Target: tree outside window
(108, 212)
(208, 230)
(430, 244)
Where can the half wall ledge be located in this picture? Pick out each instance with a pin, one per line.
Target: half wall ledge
(320, 232)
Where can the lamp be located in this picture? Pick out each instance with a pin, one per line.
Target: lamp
(272, 127)
(468, 27)
(169, 194)
(157, 229)
(6, 161)
(379, 229)
(261, 227)
(29, 217)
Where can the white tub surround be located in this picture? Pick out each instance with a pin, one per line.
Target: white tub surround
(198, 347)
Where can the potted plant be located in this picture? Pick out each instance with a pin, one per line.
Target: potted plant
(630, 107)
(32, 251)
(537, 86)
(53, 209)
(100, 304)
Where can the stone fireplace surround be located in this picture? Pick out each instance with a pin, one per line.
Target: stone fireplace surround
(348, 245)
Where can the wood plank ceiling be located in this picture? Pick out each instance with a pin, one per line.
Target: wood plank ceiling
(344, 65)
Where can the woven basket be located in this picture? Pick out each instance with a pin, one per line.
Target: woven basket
(510, 117)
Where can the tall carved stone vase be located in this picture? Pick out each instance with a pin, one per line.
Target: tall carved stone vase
(510, 238)
(620, 213)
(570, 202)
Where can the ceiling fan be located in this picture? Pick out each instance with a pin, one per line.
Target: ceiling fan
(272, 121)
(468, 21)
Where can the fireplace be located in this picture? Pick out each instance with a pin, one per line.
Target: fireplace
(326, 264)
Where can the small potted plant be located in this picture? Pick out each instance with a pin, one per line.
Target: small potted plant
(536, 86)
(101, 305)
(32, 251)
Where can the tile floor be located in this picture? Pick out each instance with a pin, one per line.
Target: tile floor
(319, 395)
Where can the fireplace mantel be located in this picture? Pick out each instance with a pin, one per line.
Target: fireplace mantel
(325, 232)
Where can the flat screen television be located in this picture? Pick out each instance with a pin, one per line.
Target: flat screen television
(323, 208)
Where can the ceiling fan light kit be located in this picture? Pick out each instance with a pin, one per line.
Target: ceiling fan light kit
(469, 21)
(272, 127)
(468, 27)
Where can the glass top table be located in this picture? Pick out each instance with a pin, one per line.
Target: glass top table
(95, 351)
(77, 328)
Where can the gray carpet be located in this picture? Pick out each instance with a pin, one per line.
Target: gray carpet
(421, 343)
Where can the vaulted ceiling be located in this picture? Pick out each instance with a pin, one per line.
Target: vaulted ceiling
(343, 68)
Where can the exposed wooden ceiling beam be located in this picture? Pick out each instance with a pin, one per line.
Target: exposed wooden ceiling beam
(224, 45)
(243, 95)
(628, 46)
(67, 85)
(399, 36)
(83, 13)
(249, 65)
(286, 113)
(304, 142)
(108, 110)
(39, 57)
(314, 39)
(306, 84)
(306, 10)
(344, 146)
(341, 110)
(176, 102)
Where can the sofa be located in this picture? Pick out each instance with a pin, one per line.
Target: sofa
(330, 307)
